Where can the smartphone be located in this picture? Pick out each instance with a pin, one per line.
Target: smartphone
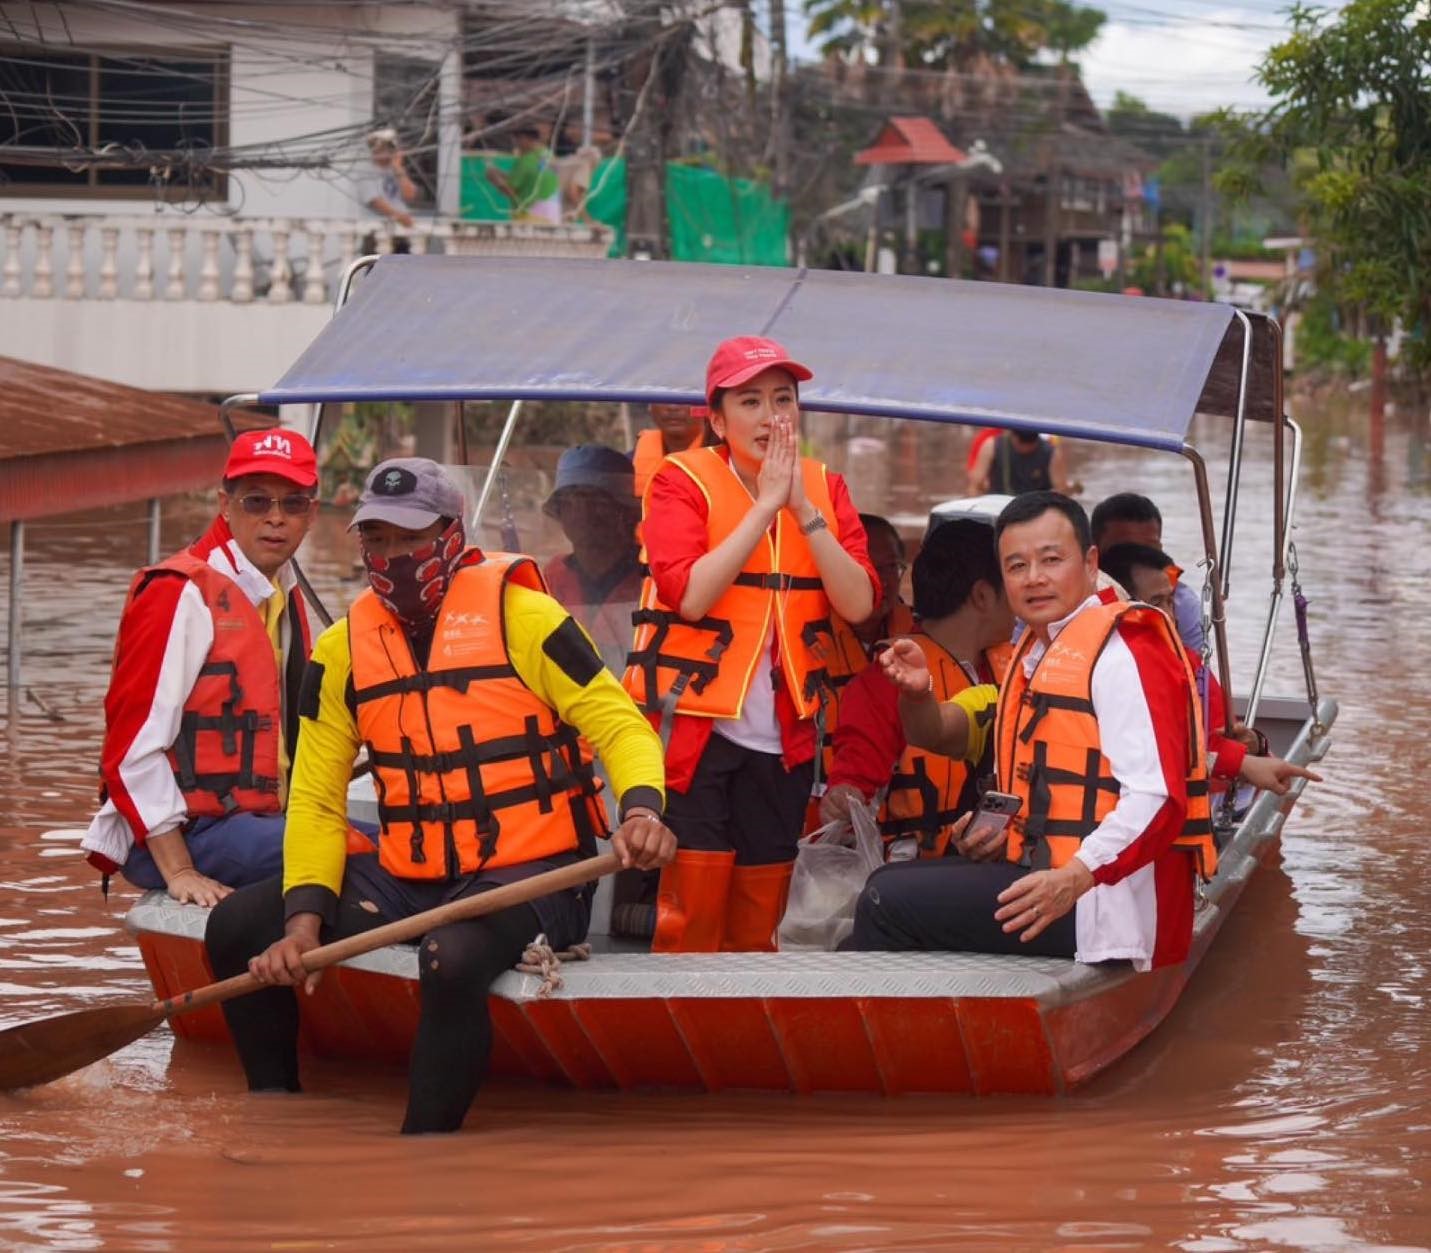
(992, 816)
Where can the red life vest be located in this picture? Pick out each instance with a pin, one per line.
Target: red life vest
(225, 757)
(607, 621)
(473, 769)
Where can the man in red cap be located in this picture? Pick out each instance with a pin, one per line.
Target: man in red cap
(202, 709)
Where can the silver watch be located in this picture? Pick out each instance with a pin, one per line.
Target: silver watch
(817, 523)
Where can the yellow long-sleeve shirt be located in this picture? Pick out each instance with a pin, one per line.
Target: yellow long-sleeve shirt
(978, 703)
(315, 837)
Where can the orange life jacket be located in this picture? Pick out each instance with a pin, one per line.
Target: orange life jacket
(473, 769)
(928, 791)
(1047, 745)
(843, 655)
(707, 665)
(225, 757)
(651, 451)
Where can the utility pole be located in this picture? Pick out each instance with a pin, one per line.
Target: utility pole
(1205, 217)
(778, 147)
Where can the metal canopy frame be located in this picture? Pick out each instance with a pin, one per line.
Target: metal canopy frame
(1242, 381)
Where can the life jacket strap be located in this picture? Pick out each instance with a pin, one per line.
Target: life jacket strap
(778, 581)
(650, 659)
(1042, 702)
(426, 680)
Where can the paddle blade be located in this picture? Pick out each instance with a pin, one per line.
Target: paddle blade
(39, 1052)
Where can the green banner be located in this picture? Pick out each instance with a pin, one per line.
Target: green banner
(734, 221)
(731, 221)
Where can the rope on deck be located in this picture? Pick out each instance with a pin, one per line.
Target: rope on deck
(539, 958)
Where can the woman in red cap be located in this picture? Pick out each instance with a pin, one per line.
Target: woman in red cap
(750, 548)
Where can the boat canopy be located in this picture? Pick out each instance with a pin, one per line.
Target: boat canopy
(1119, 369)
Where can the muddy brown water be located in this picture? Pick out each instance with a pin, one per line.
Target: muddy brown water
(1283, 1104)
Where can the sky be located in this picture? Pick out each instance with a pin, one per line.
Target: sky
(1178, 56)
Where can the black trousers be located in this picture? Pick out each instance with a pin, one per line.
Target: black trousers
(744, 800)
(457, 966)
(948, 906)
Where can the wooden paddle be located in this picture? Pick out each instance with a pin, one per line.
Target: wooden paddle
(39, 1052)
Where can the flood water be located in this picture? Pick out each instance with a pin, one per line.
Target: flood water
(1284, 1104)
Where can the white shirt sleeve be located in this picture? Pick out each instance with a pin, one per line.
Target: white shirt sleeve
(1130, 743)
(145, 771)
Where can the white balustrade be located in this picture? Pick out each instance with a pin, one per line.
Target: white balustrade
(242, 290)
(11, 270)
(209, 267)
(280, 272)
(109, 262)
(74, 263)
(42, 285)
(232, 254)
(174, 288)
(144, 264)
(314, 290)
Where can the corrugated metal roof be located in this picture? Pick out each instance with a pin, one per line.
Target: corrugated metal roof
(910, 141)
(45, 410)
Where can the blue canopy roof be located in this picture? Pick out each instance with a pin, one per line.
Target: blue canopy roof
(1114, 368)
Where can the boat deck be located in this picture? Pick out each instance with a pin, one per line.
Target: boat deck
(793, 1021)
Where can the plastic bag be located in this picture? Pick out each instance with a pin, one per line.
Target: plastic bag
(829, 876)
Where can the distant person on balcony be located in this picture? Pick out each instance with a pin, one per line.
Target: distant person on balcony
(385, 188)
(599, 581)
(531, 185)
(201, 716)
(1014, 462)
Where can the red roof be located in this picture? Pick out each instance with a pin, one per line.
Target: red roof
(910, 141)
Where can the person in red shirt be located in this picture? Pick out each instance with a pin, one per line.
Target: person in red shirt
(964, 629)
(750, 548)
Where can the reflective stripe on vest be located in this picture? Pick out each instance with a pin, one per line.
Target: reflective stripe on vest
(473, 770)
(707, 665)
(928, 791)
(1047, 746)
(225, 757)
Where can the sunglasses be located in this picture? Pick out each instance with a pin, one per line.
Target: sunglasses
(258, 505)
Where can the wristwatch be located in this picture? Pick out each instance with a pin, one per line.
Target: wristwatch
(817, 523)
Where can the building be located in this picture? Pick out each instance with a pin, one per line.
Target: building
(178, 180)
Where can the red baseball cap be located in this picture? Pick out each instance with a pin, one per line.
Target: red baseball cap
(736, 361)
(273, 451)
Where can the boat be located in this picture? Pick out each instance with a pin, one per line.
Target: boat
(1108, 368)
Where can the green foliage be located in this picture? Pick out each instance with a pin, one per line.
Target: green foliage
(948, 34)
(1322, 343)
(1179, 263)
(1352, 119)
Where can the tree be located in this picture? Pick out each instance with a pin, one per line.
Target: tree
(1351, 97)
(952, 34)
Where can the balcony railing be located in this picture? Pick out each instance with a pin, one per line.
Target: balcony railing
(240, 260)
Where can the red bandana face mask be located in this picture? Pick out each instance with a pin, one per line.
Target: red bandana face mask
(412, 586)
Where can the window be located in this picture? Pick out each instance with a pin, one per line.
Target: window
(56, 107)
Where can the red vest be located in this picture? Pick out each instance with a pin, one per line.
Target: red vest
(225, 757)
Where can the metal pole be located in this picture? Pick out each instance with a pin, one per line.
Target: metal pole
(17, 579)
(155, 516)
(1219, 608)
(588, 95)
(1281, 510)
(1254, 701)
(497, 457)
(1234, 468)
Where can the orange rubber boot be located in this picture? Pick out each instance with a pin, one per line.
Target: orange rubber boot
(756, 906)
(691, 902)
